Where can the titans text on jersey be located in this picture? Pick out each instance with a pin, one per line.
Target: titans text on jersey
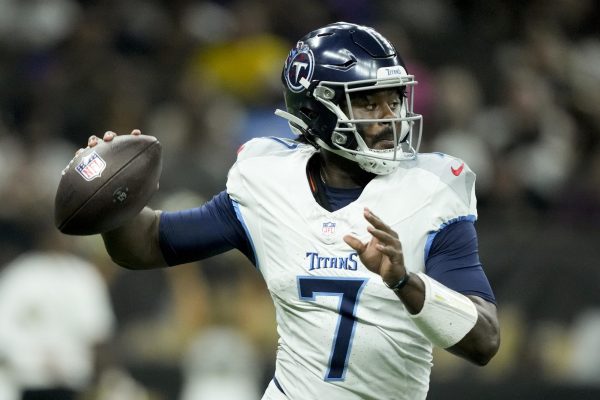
(315, 261)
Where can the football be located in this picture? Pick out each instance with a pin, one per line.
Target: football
(108, 184)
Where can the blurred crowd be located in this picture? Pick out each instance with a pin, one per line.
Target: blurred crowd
(511, 87)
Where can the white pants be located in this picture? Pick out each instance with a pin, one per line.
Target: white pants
(272, 393)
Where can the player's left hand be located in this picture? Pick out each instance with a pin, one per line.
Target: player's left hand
(383, 253)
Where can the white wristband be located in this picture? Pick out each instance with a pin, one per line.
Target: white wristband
(447, 316)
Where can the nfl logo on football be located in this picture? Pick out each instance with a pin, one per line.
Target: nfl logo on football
(328, 228)
(91, 166)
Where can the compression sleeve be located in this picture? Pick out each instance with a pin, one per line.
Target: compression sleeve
(202, 232)
(453, 260)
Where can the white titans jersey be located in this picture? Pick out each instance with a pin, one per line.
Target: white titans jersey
(342, 333)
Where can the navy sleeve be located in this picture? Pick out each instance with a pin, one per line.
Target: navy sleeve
(202, 232)
(453, 260)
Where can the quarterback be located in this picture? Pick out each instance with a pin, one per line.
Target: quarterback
(368, 248)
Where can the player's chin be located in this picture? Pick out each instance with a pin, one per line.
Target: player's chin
(383, 145)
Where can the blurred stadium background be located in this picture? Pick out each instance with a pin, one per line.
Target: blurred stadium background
(513, 87)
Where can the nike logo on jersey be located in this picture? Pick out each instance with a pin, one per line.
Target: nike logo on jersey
(457, 171)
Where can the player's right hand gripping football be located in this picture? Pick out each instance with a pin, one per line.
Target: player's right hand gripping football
(108, 136)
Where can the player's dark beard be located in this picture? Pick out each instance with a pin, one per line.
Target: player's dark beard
(385, 134)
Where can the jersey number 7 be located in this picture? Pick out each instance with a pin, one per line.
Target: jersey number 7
(348, 290)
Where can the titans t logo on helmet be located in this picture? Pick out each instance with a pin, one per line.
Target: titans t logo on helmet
(299, 64)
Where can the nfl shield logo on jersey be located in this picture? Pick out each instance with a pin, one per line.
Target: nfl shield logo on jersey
(328, 228)
(91, 166)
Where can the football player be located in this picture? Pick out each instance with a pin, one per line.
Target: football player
(367, 247)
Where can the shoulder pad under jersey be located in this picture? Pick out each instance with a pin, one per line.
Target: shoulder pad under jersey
(256, 162)
(453, 173)
(266, 146)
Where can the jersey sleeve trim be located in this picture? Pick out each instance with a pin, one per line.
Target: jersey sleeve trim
(238, 214)
(287, 143)
(432, 235)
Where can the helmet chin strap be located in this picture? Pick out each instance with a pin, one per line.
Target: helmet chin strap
(296, 124)
(341, 153)
(377, 167)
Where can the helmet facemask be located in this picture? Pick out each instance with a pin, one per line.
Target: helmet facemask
(346, 139)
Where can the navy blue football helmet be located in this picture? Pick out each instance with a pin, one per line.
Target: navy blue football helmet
(320, 74)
